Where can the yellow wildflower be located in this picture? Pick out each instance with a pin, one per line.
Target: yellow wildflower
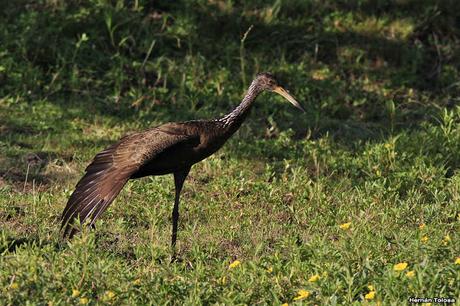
(285, 304)
(345, 226)
(314, 278)
(270, 270)
(108, 295)
(234, 264)
(137, 281)
(424, 239)
(410, 274)
(446, 240)
(371, 288)
(370, 295)
(400, 266)
(302, 294)
(457, 261)
(83, 301)
(75, 293)
(14, 286)
(421, 226)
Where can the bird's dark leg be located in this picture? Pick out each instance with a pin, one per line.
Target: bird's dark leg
(179, 178)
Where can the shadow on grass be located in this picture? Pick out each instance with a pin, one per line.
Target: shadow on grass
(11, 244)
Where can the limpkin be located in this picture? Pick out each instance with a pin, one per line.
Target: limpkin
(168, 148)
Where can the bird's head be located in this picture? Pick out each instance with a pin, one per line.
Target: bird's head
(266, 81)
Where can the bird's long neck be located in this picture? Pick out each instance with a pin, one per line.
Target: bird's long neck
(233, 120)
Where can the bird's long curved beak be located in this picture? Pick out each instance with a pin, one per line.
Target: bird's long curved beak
(281, 91)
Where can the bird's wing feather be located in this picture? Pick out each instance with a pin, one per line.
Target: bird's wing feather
(110, 170)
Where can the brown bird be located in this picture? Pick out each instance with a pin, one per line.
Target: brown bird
(169, 148)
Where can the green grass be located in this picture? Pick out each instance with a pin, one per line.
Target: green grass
(378, 148)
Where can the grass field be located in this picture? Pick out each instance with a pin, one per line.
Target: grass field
(355, 202)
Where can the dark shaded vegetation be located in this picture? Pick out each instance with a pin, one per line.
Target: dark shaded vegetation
(120, 59)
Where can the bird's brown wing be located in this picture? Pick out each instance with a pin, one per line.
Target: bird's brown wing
(110, 170)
